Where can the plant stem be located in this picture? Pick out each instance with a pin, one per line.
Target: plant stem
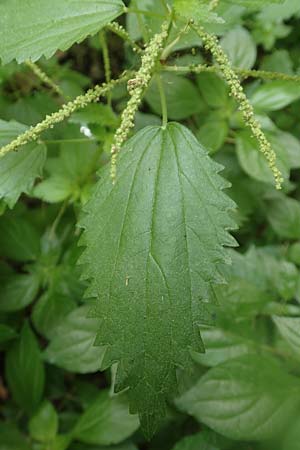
(244, 73)
(69, 141)
(163, 100)
(169, 47)
(106, 61)
(57, 219)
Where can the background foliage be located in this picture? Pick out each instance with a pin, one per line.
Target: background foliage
(243, 392)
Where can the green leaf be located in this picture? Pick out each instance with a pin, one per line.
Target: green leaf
(213, 132)
(18, 170)
(165, 225)
(19, 240)
(283, 213)
(106, 421)
(183, 98)
(275, 95)
(11, 438)
(213, 89)
(70, 172)
(205, 440)
(196, 10)
(50, 311)
(289, 328)
(44, 424)
(247, 398)
(55, 189)
(18, 291)
(6, 333)
(72, 347)
(41, 28)
(25, 371)
(221, 345)
(240, 48)
(254, 163)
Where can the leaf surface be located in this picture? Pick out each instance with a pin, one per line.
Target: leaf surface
(165, 224)
(246, 398)
(25, 372)
(41, 27)
(106, 421)
(18, 170)
(72, 347)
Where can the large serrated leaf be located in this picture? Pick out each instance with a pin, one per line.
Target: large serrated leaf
(32, 28)
(154, 240)
(18, 170)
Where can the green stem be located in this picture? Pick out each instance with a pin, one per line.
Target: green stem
(244, 73)
(69, 141)
(163, 100)
(106, 61)
(168, 49)
(57, 219)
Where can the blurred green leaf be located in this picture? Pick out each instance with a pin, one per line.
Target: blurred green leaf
(247, 398)
(106, 421)
(44, 424)
(25, 371)
(72, 347)
(18, 170)
(240, 48)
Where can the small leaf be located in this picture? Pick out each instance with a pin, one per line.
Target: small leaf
(213, 89)
(254, 163)
(72, 347)
(19, 240)
(222, 345)
(11, 438)
(165, 223)
(205, 440)
(18, 170)
(240, 48)
(18, 291)
(196, 10)
(106, 421)
(43, 425)
(6, 333)
(247, 398)
(275, 95)
(289, 328)
(25, 371)
(183, 98)
(283, 213)
(41, 28)
(213, 132)
(50, 312)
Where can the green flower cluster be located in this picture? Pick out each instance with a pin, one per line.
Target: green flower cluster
(69, 108)
(211, 43)
(136, 87)
(44, 77)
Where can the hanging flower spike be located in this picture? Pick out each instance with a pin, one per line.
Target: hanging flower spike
(66, 111)
(136, 87)
(211, 43)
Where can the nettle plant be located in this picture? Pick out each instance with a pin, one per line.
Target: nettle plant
(117, 255)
